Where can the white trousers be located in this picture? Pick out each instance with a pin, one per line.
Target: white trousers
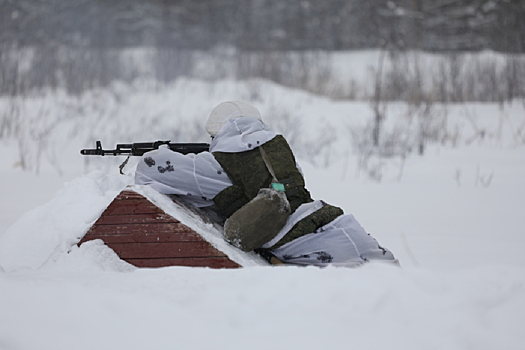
(342, 242)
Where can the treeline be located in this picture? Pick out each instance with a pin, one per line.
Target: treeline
(78, 45)
(430, 25)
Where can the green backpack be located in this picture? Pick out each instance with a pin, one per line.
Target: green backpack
(262, 218)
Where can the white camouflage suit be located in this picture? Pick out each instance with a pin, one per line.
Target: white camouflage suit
(199, 178)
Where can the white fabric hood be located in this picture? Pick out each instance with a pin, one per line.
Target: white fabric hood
(227, 111)
(240, 135)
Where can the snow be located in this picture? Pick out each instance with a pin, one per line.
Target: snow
(373, 307)
(53, 228)
(453, 217)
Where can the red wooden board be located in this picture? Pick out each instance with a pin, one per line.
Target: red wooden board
(165, 250)
(133, 206)
(216, 263)
(129, 195)
(148, 237)
(123, 229)
(145, 236)
(135, 219)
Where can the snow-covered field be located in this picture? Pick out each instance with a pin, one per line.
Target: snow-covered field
(453, 217)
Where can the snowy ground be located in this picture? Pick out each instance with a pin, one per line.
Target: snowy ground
(453, 217)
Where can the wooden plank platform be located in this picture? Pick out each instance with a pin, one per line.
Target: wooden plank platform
(145, 236)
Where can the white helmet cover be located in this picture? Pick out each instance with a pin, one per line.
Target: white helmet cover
(229, 110)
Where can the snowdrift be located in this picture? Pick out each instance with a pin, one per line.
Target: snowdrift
(68, 297)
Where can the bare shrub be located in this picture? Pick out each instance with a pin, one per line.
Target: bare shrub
(483, 179)
(431, 121)
(378, 101)
(8, 116)
(394, 147)
(454, 77)
(284, 123)
(448, 77)
(514, 75)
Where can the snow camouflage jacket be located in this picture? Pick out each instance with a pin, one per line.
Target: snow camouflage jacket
(315, 233)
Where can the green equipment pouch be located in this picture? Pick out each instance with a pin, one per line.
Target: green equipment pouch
(262, 218)
(258, 221)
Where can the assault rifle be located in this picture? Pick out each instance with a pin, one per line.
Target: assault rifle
(139, 148)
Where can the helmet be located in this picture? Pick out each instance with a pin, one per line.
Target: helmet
(227, 111)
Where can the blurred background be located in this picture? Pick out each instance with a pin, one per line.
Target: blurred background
(129, 70)
(81, 44)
